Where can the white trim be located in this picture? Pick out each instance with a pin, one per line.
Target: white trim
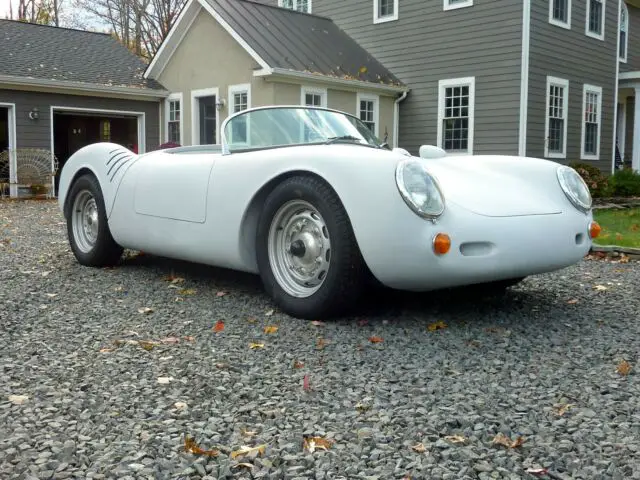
(231, 91)
(173, 96)
(195, 117)
(589, 33)
(621, 130)
(635, 75)
(524, 77)
(455, 82)
(616, 94)
(281, 2)
(447, 5)
(376, 108)
(558, 23)
(586, 88)
(12, 147)
(396, 118)
(621, 5)
(314, 91)
(635, 151)
(389, 18)
(561, 82)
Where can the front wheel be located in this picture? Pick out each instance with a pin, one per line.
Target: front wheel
(307, 254)
(87, 227)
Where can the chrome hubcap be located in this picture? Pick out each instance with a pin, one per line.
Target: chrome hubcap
(85, 221)
(299, 248)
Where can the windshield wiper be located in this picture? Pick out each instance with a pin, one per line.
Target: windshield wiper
(341, 138)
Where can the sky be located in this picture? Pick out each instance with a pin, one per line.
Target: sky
(67, 8)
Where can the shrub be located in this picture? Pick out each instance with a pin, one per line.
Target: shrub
(625, 183)
(597, 181)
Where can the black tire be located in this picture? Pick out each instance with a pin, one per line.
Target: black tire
(344, 281)
(105, 251)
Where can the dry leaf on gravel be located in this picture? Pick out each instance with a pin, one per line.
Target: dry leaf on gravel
(170, 340)
(251, 452)
(107, 350)
(623, 368)
(455, 438)
(432, 327)
(18, 399)
(254, 346)
(148, 346)
(220, 294)
(164, 380)
(537, 471)
(268, 313)
(573, 301)
(502, 439)
(187, 291)
(560, 410)
(317, 323)
(252, 319)
(191, 446)
(312, 444)
(248, 433)
(145, 310)
(189, 338)
(600, 288)
(321, 343)
(420, 448)
(243, 465)
(375, 339)
(270, 329)
(306, 383)
(298, 364)
(180, 405)
(219, 326)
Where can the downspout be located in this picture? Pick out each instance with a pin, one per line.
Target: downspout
(396, 117)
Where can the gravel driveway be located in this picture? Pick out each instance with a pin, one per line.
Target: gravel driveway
(93, 384)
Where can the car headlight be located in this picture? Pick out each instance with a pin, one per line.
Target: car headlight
(575, 188)
(419, 189)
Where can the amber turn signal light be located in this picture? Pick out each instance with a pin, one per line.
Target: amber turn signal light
(594, 229)
(441, 243)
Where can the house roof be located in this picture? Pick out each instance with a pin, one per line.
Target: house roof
(291, 40)
(53, 54)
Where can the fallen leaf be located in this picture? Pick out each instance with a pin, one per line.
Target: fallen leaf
(254, 346)
(180, 405)
(269, 313)
(297, 364)
(251, 451)
(52, 295)
(573, 301)
(432, 327)
(455, 438)
(600, 287)
(219, 326)
(173, 279)
(252, 319)
(164, 380)
(624, 259)
(562, 409)
(473, 343)
(170, 340)
(317, 323)
(187, 291)
(220, 294)
(244, 465)
(270, 329)
(623, 368)
(190, 339)
(375, 339)
(148, 346)
(321, 343)
(306, 384)
(18, 399)
(420, 448)
(106, 350)
(502, 439)
(145, 310)
(619, 236)
(248, 433)
(191, 447)
(313, 443)
(537, 471)
(179, 299)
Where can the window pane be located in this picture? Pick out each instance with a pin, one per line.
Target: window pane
(595, 16)
(385, 8)
(556, 119)
(560, 10)
(591, 116)
(456, 118)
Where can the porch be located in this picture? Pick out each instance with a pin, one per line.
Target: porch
(628, 121)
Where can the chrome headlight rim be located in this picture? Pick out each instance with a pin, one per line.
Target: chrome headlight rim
(571, 194)
(406, 196)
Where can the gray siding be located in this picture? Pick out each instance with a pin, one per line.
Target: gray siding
(37, 134)
(571, 55)
(633, 46)
(427, 44)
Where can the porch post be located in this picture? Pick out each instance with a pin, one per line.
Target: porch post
(635, 153)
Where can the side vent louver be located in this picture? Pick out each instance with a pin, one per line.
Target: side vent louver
(118, 159)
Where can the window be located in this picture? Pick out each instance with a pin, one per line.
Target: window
(314, 97)
(368, 111)
(591, 122)
(560, 13)
(385, 10)
(595, 19)
(239, 100)
(298, 5)
(456, 99)
(624, 32)
(105, 130)
(453, 4)
(174, 118)
(556, 118)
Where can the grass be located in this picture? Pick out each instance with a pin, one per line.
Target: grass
(619, 227)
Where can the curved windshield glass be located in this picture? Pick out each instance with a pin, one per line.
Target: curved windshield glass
(282, 126)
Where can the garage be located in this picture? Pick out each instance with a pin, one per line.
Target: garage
(74, 128)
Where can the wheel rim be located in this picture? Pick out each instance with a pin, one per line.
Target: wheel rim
(85, 221)
(299, 248)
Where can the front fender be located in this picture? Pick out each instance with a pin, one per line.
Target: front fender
(108, 162)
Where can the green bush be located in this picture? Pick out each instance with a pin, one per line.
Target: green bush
(597, 181)
(625, 183)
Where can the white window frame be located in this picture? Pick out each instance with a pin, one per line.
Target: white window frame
(598, 91)
(626, 30)
(313, 91)
(455, 4)
(376, 108)
(588, 32)
(172, 98)
(239, 88)
(560, 82)
(388, 18)
(558, 23)
(295, 3)
(195, 113)
(457, 82)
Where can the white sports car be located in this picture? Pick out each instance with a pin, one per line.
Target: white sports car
(311, 201)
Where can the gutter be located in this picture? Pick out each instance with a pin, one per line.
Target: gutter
(396, 117)
(146, 93)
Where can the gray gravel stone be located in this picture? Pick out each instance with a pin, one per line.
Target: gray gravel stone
(503, 365)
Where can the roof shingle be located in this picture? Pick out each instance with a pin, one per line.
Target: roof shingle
(62, 54)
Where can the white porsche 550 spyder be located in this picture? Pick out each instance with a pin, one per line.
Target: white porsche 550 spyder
(311, 201)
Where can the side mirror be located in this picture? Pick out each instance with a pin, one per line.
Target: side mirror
(431, 151)
(401, 151)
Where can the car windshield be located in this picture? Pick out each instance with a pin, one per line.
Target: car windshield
(285, 126)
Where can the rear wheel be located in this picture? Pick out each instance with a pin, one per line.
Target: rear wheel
(307, 255)
(87, 227)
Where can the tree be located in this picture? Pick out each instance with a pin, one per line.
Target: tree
(46, 12)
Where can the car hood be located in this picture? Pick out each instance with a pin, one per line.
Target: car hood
(499, 186)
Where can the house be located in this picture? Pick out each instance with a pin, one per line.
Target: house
(61, 89)
(546, 78)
